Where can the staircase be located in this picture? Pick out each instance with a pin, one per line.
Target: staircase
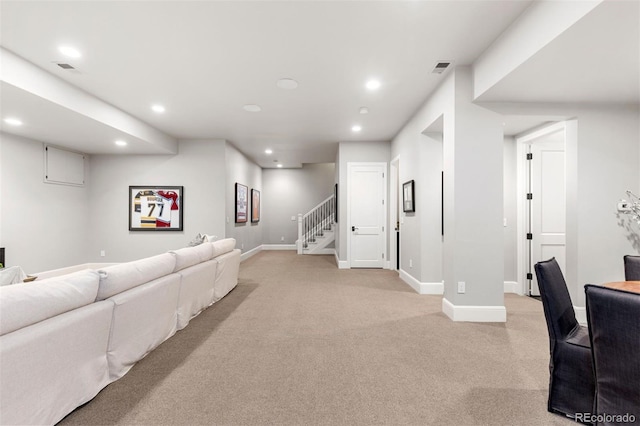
(316, 229)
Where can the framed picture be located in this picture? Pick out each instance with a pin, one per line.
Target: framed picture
(242, 203)
(156, 208)
(408, 195)
(255, 205)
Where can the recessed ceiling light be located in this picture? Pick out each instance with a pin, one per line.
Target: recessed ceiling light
(279, 166)
(363, 110)
(373, 84)
(69, 51)
(268, 151)
(356, 128)
(13, 121)
(158, 108)
(121, 143)
(252, 108)
(287, 83)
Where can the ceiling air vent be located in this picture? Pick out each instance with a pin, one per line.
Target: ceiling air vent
(66, 66)
(440, 67)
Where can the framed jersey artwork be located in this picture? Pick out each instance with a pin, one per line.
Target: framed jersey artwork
(255, 205)
(242, 203)
(155, 208)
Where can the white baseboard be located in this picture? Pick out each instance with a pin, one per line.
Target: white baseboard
(474, 313)
(248, 254)
(342, 264)
(511, 287)
(581, 314)
(422, 288)
(279, 247)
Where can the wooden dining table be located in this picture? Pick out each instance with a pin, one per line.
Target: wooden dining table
(633, 286)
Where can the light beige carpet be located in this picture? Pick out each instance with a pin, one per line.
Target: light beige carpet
(300, 342)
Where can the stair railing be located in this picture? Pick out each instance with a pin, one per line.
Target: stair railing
(313, 224)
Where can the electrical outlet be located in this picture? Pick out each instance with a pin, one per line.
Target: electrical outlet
(281, 238)
(293, 218)
(623, 206)
(103, 253)
(410, 263)
(461, 287)
(504, 222)
(227, 219)
(242, 246)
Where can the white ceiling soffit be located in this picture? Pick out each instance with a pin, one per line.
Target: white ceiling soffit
(205, 60)
(597, 60)
(49, 122)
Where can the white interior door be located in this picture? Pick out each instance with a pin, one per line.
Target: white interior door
(548, 205)
(367, 214)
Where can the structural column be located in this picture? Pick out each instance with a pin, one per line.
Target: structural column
(473, 255)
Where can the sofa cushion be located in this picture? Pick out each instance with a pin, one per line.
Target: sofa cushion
(223, 246)
(143, 317)
(25, 304)
(54, 366)
(190, 256)
(11, 275)
(118, 278)
(226, 273)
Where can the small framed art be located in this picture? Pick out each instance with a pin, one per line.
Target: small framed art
(255, 205)
(156, 208)
(408, 196)
(242, 203)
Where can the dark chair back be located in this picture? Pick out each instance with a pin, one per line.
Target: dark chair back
(614, 331)
(571, 380)
(632, 268)
(558, 309)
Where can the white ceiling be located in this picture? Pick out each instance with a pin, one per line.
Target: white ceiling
(204, 60)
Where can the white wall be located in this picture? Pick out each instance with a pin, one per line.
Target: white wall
(602, 162)
(199, 167)
(354, 152)
(429, 204)
(287, 192)
(471, 155)
(240, 169)
(510, 210)
(473, 162)
(420, 158)
(43, 225)
(606, 159)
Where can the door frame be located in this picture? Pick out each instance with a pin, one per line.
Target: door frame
(385, 234)
(394, 217)
(522, 142)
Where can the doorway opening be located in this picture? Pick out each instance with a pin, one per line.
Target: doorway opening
(367, 214)
(394, 213)
(542, 202)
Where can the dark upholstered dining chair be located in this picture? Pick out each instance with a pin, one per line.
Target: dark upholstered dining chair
(571, 382)
(614, 330)
(632, 268)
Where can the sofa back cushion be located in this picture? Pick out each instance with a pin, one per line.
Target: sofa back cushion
(221, 247)
(124, 276)
(190, 256)
(25, 304)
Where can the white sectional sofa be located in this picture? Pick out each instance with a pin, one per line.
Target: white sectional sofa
(64, 338)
